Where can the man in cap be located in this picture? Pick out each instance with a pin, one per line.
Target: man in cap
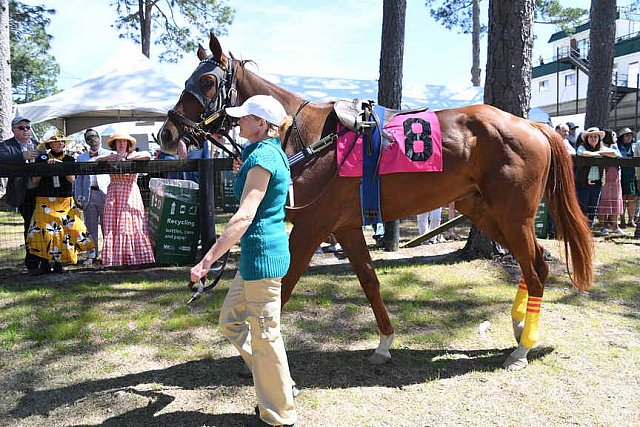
(572, 137)
(20, 189)
(90, 191)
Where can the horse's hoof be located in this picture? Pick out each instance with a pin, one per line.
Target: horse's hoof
(515, 364)
(378, 359)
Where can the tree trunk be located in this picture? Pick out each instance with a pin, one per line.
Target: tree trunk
(475, 43)
(144, 10)
(6, 102)
(508, 80)
(601, 37)
(390, 82)
(510, 45)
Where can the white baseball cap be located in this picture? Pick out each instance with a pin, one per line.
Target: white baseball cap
(263, 106)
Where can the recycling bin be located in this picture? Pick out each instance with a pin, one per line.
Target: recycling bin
(173, 220)
(542, 221)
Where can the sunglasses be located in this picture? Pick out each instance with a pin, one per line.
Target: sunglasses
(91, 137)
(23, 127)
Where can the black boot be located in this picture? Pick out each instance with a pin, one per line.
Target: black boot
(44, 268)
(57, 267)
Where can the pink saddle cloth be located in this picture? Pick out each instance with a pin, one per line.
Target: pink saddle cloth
(415, 146)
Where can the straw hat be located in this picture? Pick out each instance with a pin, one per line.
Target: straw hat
(51, 136)
(592, 131)
(111, 142)
(626, 131)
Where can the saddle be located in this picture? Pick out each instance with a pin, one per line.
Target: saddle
(355, 114)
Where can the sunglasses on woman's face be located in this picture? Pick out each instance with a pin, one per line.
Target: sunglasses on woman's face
(23, 127)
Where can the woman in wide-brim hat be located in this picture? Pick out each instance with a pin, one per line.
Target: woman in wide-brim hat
(126, 241)
(131, 141)
(52, 136)
(589, 179)
(610, 205)
(56, 232)
(628, 180)
(584, 135)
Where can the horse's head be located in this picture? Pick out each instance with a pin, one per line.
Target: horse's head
(200, 110)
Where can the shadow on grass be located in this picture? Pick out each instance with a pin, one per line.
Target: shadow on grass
(310, 369)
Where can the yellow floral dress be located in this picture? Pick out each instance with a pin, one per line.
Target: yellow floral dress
(56, 231)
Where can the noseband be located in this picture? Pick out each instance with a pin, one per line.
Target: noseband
(213, 119)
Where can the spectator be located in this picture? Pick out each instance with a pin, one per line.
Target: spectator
(90, 192)
(589, 179)
(126, 240)
(428, 221)
(610, 204)
(56, 232)
(627, 179)
(250, 314)
(572, 137)
(563, 131)
(20, 191)
(333, 246)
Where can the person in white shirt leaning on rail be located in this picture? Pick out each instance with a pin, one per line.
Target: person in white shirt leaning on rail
(91, 190)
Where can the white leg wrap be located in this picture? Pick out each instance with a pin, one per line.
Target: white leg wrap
(382, 355)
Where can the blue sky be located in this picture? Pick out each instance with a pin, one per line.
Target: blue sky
(326, 38)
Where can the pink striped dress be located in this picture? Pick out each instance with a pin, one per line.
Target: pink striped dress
(126, 239)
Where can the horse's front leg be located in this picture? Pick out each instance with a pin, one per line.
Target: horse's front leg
(303, 241)
(355, 247)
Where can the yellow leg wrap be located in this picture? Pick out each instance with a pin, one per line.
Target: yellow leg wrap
(531, 333)
(519, 306)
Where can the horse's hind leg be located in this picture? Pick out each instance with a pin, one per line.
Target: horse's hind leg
(525, 312)
(355, 247)
(516, 232)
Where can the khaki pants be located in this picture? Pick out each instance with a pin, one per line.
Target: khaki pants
(250, 319)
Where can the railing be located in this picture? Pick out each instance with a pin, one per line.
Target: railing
(206, 168)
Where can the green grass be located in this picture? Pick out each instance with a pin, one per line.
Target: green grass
(94, 333)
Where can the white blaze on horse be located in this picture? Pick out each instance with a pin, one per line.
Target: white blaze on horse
(495, 166)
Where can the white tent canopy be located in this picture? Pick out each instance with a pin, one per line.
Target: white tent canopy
(126, 88)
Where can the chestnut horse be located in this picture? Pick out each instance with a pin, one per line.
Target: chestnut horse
(497, 168)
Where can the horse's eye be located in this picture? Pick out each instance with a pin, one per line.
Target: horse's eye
(207, 83)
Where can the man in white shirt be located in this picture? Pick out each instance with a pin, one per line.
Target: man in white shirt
(563, 130)
(90, 191)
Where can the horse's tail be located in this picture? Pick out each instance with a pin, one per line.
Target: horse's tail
(570, 223)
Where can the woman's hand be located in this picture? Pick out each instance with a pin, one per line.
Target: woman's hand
(237, 164)
(111, 157)
(199, 271)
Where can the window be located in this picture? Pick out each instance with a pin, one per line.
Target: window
(634, 69)
(570, 79)
(583, 48)
(543, 86)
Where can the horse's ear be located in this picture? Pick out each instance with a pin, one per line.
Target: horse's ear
(216, 49)
(202, 54)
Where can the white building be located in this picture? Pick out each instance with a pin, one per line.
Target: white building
(559, 82)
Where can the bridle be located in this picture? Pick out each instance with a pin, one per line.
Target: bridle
(213, 120)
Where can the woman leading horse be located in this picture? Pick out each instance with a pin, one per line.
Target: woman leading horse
(497, 167)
